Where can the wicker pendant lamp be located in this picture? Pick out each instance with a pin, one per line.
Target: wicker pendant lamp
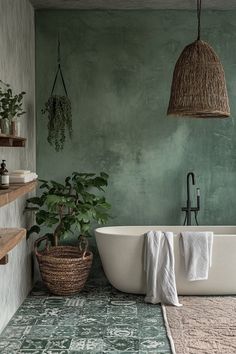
(198, 86)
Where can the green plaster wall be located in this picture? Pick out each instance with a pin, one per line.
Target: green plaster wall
(118, 67)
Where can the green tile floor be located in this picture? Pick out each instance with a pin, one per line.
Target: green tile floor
(98, 320)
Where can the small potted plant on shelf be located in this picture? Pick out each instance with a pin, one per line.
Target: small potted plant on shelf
(10, 109)
(63, 209)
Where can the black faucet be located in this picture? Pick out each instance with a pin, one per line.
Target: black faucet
(188, 209)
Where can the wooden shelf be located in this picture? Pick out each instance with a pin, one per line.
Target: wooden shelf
(12, 141)
(9, 238)
(15, 191)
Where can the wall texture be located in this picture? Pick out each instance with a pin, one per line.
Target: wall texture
(17, 67)
(118, 67)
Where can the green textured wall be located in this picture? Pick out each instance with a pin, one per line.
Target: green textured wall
(118, 67)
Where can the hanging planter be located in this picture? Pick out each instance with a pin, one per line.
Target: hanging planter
(58, 111)
(198, 87)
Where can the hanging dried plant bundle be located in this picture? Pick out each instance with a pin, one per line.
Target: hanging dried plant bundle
(58, 110)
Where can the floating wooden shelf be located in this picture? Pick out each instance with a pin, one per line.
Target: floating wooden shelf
(12, 141)
(15, 191)
(9, 238)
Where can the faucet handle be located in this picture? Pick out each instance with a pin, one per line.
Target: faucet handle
(198, 198)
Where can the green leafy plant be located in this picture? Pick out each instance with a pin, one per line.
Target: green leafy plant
(58, 111)
(70, 207)
(10, 104)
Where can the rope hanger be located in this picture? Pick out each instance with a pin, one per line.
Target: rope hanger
(59, 71)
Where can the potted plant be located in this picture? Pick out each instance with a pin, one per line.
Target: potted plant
(10, 109)
(62, 209)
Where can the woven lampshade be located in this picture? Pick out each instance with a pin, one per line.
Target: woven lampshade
(198, 86)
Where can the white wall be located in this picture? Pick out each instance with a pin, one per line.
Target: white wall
(17, 67)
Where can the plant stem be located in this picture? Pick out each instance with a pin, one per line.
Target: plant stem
(57, 231)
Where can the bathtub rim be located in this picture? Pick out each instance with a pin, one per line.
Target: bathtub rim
(111, 230)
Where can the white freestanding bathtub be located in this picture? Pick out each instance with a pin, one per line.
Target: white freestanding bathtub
(121, 252)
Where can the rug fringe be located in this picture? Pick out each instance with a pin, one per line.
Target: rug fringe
(168, 331)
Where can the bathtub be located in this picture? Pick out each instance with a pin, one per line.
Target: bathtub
(121, 252)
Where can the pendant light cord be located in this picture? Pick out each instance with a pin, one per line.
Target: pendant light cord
(199, 7)
(58, 50)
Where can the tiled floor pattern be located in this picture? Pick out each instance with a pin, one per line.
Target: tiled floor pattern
(98, 320)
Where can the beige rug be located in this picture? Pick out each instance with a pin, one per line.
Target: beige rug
(204, 325)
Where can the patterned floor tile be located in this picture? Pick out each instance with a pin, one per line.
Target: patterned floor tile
(95, 296)
(39, 331)
(74, 302)
(99, 320)
(33, 301)
(151, 331)
(152, 321)
(46, 321)
(27, 312)
(69, 312)
(123, 303)
(122, 311)
(129, 320)
(87, 344)
(56, 302)
(89, 331)
(58, 343)
(122, 330)
(13, 332)
(67, 321)
(34, 344)
(23, 320)
(6, 344)
(148, 309)
(154, 344)
(64, 331)
(94, 309)
(121, 344)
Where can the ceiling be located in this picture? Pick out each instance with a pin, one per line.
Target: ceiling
(133, 4)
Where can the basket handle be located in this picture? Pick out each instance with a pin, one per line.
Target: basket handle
(37, 243)
(83, 246)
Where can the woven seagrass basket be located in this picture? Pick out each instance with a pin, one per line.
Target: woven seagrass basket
(64, 269)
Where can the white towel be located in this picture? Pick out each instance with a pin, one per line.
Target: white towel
(197, 250)
(22, 178)
(159, 268)
(20, 172)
